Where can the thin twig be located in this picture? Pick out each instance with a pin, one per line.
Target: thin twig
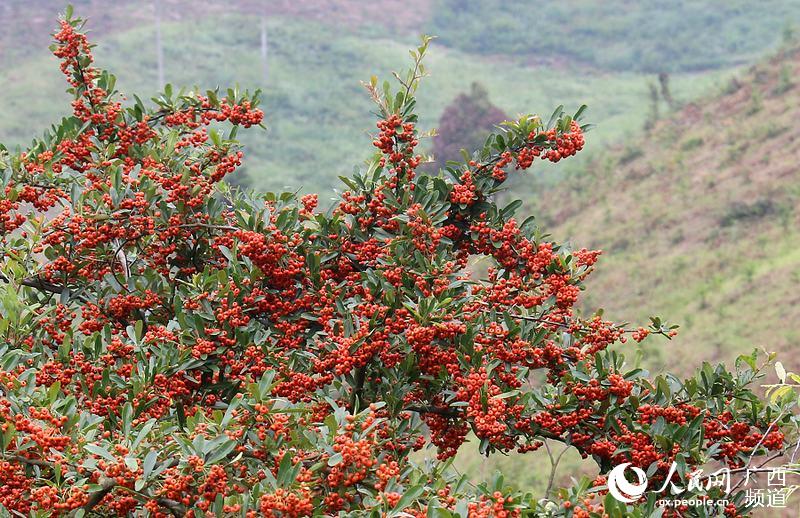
(553, 467)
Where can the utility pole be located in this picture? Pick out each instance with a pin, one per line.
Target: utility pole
(264, 66)
(159, 46)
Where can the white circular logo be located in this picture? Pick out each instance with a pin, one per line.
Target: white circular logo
(623, 490)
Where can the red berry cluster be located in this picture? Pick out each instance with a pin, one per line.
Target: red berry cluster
(557, 145)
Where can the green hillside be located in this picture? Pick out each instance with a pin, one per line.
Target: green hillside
(622, 35)
(699, 221)
(699, 224)
(317, 112)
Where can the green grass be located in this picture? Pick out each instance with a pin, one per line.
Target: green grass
(621, 35)
(318, 114)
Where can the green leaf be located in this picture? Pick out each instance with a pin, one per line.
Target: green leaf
(149, 463)
(335, 459)
(131, 463)
(143, 433)
(409, 497)
(284, 477)
(578, 113)
(100, 451)
(509, 209)
(556, 114)
(779, 393)
(221, 452)
(52, 392)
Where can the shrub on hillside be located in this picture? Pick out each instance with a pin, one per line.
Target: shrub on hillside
(171, 347)
(464, 124)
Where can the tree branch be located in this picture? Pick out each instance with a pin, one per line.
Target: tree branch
(106, 485)
(177, 509)
(40, 284)
(355, 397)
(441, 411)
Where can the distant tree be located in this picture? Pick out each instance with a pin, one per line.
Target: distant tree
(653, 115)
(785, 79)
(789, 34)
(465, 123)
(663, 79)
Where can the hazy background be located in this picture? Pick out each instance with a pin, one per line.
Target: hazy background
(689, 181)
(309, 56)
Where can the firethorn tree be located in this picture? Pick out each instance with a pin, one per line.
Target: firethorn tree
(172, 347)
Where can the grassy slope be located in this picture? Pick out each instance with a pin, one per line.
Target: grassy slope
(317, 112)
(648, 35)
(699, 224)
(699, 221)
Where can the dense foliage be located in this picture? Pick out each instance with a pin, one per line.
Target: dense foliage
(172, 347)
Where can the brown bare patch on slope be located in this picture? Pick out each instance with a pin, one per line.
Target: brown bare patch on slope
(699, 221)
